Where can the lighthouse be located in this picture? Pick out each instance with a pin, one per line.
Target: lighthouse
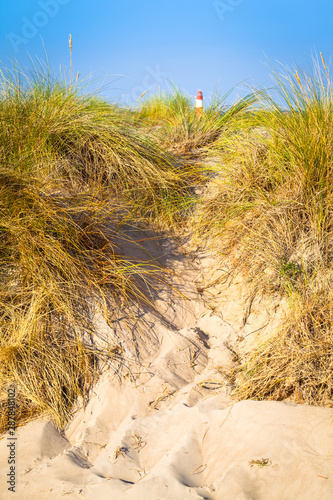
(199, 103)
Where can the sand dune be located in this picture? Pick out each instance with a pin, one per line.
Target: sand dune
(165, 426)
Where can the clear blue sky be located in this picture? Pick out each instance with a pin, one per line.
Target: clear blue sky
(196, 44)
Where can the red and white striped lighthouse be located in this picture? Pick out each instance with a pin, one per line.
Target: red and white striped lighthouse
(199, 103)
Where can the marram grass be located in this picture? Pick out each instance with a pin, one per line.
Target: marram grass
(270, 213)
(58, 265)
(55, 131)
(175, 124)
(73, 170)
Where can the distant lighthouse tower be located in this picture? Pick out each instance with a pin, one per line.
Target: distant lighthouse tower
(199, 104)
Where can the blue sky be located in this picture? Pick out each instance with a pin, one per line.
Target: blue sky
(130, 46)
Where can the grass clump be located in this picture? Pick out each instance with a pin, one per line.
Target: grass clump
(58, 266)
(72, 171)
(174, 120)
(297, 363)
(162, 108)
(270, 213)
(65, 133)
